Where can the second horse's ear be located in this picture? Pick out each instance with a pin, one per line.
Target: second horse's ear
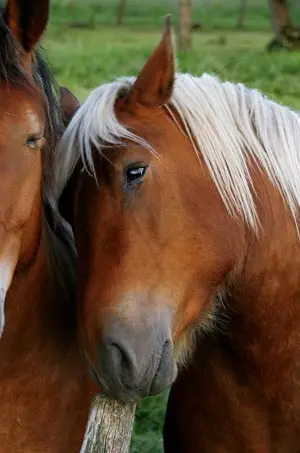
(67, 201)
(69, 104)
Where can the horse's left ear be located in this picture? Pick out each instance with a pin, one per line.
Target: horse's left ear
(66, 203)
(68, 104)
(27, 20)
(153, 86)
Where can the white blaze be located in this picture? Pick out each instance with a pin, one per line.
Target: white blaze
(9, 252)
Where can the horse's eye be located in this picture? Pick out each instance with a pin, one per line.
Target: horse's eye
(34, 142)
(135, 174)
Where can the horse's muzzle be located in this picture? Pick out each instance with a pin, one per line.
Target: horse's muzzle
(136, 359)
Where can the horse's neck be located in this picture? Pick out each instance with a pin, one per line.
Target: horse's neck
(264, 326)
(45, 391)
(39, 311)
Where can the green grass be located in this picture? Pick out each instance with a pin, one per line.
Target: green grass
(149, 424)
(221, 14)
(84, 58)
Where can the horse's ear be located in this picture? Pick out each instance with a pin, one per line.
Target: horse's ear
(27, 19)
(68, 103)
(66, 203)
(154, 85)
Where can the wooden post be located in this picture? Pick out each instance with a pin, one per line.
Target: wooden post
(242, 14)
(71, 7)
(121, 12)
(109, 427)
(280, 15)
(185, 23)
(286, 35)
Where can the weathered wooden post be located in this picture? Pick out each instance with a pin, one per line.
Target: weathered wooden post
(287, 36)
(121, 12)
(280, 15)
(185, 24)
(109, 427)
(242, 14)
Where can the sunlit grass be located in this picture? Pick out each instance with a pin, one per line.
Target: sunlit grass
(83, 59)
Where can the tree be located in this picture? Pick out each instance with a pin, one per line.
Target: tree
(286, 35)
(185, 23)
(121, 12)
(242, 13)
(280, 15)
(71, 5)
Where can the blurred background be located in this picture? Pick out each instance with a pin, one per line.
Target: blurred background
(93, 41)
(252, 41)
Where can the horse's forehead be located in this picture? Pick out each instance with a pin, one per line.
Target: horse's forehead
(154, 125)
(21, 104)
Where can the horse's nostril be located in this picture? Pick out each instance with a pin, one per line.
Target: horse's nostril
(115, 353)
(135, 363)
(122, 363)
(124, 358)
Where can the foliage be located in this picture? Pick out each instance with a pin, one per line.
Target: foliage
(149, 425)
(83, 58)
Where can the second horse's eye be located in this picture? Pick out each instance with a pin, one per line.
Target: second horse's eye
(135, 174)
(35, 142)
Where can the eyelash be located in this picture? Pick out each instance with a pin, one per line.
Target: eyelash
(35, 142)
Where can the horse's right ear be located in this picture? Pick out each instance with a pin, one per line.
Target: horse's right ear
(27, 20)
(67, 200)
(68, 104)
(154, 84)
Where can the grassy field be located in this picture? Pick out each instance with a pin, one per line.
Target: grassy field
(83, 58)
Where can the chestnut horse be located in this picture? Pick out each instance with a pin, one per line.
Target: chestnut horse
(44, 391)
(186, 195)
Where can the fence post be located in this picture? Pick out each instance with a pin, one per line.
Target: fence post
(109, 427)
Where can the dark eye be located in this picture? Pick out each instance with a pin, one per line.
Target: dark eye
(135, 174)
(34, 142)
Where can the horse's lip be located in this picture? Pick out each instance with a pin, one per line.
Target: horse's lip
(129, 394)
(103, 387)
(93, 372)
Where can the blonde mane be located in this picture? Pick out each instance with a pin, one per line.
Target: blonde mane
(228, 124)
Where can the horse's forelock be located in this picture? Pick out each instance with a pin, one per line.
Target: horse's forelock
(94, 125)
